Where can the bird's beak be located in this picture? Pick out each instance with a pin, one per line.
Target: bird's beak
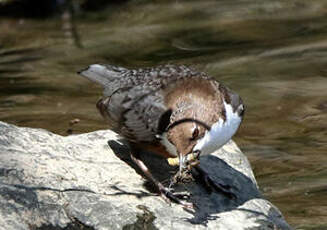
(189, 160)
(182, 163)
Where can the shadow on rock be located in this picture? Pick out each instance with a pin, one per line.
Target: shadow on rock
(207, 204)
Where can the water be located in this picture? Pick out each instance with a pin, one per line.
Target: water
(273, 53)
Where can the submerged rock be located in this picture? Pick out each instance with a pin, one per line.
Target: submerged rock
(87, 181)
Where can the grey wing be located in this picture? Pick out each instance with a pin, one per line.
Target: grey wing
(113, 78)
(132, 101)
(135, 113)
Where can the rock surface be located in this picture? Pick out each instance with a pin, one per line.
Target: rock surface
(80, 182)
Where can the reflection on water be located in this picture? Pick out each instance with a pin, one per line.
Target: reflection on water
(274, 53)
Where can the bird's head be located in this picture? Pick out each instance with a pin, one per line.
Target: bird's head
(184, 135)
(202, 135)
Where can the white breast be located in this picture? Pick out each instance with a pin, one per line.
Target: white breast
(220, 133)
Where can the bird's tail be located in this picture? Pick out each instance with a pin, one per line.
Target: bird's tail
(102, 74)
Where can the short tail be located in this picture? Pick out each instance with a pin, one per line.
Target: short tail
(102, 74)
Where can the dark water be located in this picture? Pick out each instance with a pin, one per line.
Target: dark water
(273, 53)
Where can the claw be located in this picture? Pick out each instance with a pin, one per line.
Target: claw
(165, 193)
(168, 196)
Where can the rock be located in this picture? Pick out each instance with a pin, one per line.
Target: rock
(80, 182)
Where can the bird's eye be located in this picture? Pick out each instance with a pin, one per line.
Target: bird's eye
(195, 134)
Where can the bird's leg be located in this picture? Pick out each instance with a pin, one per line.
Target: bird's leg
(165, 193)
(210, 184)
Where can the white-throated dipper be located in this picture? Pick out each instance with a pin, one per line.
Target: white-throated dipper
(169, 110)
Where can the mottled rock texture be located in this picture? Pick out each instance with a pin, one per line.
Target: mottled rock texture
(87, 181)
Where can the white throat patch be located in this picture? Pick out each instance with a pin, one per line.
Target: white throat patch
(220, 133)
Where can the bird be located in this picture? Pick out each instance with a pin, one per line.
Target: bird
(170, 110)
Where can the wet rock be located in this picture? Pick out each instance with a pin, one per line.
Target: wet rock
(85, 182)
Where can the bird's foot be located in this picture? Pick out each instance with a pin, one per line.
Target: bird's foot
(178, 198)
(211, 185)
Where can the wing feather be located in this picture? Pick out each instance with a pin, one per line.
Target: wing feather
(133, 100)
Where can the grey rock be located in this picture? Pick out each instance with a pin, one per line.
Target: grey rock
(85, 182)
